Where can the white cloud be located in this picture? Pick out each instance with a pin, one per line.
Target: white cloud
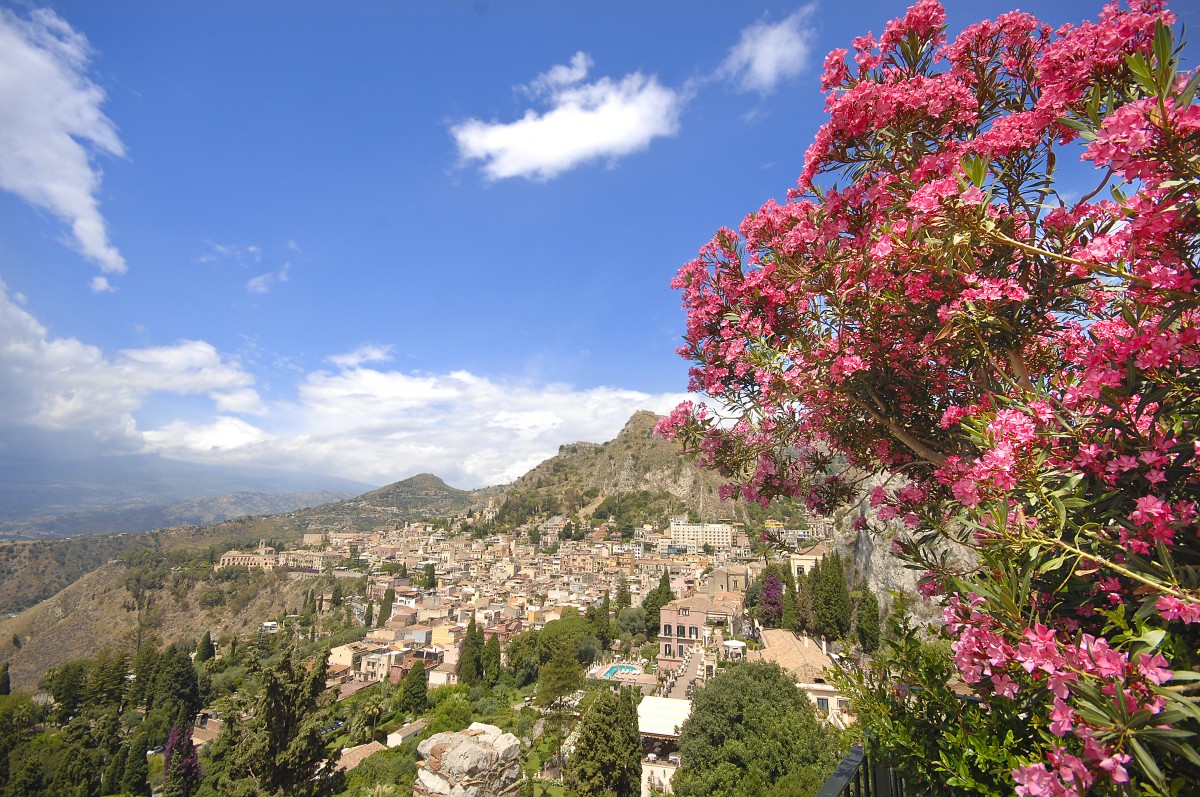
(368, 353)
(585, 122)
(242, 254)
(358, 422)
(51, 125)
(263, 283)
(65, 385)
(767, 54)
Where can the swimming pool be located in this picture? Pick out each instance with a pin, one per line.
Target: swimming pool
(620, 669)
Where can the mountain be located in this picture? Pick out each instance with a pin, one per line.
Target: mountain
(133, 517)
(32, 489)
(97, 611)
(637, 477)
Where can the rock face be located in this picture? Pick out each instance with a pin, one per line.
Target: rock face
(478, 762)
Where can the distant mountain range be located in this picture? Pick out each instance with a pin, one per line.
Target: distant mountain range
(41, 499)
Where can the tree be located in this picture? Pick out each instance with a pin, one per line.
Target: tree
(429, 577)
(470, 668)
(631, 621)
(5, 684)
(205, 650)
(624, 600)
(114, 773)
(866, 620)
(134, 777)
(176, 689)
(831, 598)
(369, 618)
(65, 684)
(657, 598)
(1015, 358)
(385, 606)
(749, 728)
(490, 661)
(181, 766)
(524, 658)
(607, 758)
(273, 741)
(558, 679)
(414, 696)
(787, 611)
(372, 707)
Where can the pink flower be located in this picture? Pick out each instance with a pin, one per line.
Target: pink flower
(1154, 668)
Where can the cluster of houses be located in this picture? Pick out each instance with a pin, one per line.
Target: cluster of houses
(508, 584)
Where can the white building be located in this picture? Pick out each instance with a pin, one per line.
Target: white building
(694, 536)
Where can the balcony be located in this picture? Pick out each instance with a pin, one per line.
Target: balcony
(859, 776)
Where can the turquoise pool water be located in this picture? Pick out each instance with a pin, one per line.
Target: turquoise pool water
(620, 669)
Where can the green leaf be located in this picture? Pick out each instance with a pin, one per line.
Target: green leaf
(1189, 92)
(1162, 44)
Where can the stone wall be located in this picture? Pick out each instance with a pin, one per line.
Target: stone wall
(478, 762)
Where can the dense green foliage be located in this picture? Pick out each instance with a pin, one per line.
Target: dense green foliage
(655, 599)
(752, 732)
(272, 743)
(608, 749)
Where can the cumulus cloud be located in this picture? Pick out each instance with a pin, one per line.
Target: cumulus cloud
(767, 54)
(604, 119)
(65, 385)
(51, 125)
(379, 425)
(358, 420)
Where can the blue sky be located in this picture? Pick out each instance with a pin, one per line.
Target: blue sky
(371, 239)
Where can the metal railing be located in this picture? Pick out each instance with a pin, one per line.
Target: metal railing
(859, 776)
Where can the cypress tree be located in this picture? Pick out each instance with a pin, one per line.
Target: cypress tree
(414, 696)
(205, 650)
(787, 613)
(470, 667)
(490, 661)
(657, 598)
(137, 770)
(385, 606)
(369, 619)
(5, 683)
(831, 599)
(867, 620)
(115, 772)
(624, 600)
(600, 763)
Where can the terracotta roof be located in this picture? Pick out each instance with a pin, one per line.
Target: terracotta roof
(353, 756)
(802, 657)
(700, 603)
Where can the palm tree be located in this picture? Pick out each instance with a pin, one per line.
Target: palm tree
(372, 708)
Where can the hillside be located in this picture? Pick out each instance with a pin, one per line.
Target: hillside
(636, 477)
(34, 571)
(135, 517)
(96, 611)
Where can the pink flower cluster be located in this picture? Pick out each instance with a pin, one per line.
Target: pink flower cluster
(1026, 363)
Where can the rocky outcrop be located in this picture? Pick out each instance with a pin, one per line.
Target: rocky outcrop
(478, 762)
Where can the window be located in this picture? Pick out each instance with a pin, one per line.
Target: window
(844, 706)
(679, 631)
(667, 651)
(692, 632)
(684, 612)
(799, 570)
(666, 629)
(823, 704)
